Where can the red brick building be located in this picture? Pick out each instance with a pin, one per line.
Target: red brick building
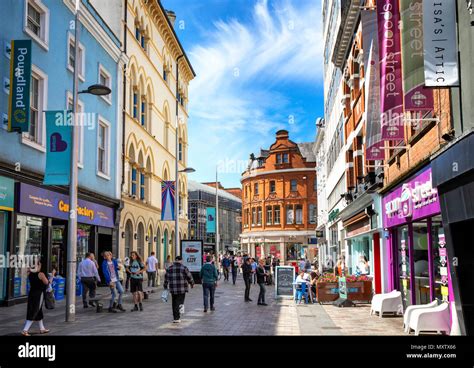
(279, 201)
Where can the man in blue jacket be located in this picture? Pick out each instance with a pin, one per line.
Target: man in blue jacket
(209, 282)
(110, 270)
(225, 267)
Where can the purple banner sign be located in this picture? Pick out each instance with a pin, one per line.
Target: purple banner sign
(391, 90)
(43, 202)
(413, 200)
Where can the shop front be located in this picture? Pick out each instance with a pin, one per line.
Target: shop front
(7, 195)
(416, 241)
(41, 229)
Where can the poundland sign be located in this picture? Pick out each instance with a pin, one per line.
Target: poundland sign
(20, 80)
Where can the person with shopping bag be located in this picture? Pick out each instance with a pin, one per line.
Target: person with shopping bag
(177, 279)
(209, 277)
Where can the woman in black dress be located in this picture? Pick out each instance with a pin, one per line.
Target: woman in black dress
(34, 311)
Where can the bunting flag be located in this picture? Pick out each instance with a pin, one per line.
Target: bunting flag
(417, 96)
(391, 89)
(58, 152)
(167, 200)
(374, 145)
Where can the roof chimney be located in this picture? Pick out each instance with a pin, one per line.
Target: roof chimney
(282, 134)
(171, 16)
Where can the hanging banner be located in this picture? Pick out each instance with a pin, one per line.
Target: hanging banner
(211, 220)
(440, 43)
(20, 83)
(374, 143)
(391, 89)
(417, 96)
(167, 200)
(58, 147)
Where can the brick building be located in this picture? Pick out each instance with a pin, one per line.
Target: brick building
(279, 201)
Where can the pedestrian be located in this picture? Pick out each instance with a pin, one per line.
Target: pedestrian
(168, 262)
(87, 272)
(247, 274)
(136, 270)
(234, 267)
(177, 278)
(254, 270)
(302, 264)
(121, 271)
(225, 267)
(39, 283)
(126, 265)
(307, 265)
(209, 283)
(268, 268)
(151, 263)
(110, 270)
(239, 262)
(340, 269)
(261, 275)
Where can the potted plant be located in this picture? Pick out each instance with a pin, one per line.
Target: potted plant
(327, 288)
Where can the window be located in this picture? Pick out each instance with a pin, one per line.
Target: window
(143, 112)
(312, 213)
(254, 216)
(135, 103)
(143, 41)
(103, 148)
(36, 135)
(276, 220)
(272, 186)
(299, 214)
(142, 186)
(71, 62)
(36, 22)
(290, 216)
(180, 150)
(285, 158)
(278, 158)
(256, 189)
(106, 80)
(293, 185)
(137, 31)
(165, 74)
(259, 216)
(269, 215)
(134, 181)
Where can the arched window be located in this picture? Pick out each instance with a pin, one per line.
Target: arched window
(141, 181)
(165, 245)
(143, 111)
(180, 149)
(133, 171)
(158, 246)
(140, 240)
(135, 93)
(149, 173)
(128, 238)
(150, 241)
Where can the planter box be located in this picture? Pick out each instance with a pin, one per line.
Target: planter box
(360, 291)
(327, 292)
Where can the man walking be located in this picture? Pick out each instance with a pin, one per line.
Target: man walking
(151, 263)
(225, 267)
(234, 266)
(209, 282)
(87, 272)
(261, 275)
(111, 275)
(177, 278)
(254, 270)
(247, 273)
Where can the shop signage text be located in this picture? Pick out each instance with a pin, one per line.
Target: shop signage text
(7, 193)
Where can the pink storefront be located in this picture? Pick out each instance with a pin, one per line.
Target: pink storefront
(416, 241)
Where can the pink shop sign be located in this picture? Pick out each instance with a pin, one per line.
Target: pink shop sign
(413, 200)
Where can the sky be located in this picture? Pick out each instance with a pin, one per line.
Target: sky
(259, 69)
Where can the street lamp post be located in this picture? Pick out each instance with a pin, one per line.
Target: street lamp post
(98, 90)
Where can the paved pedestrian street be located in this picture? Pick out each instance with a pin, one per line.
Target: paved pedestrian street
(232, 317)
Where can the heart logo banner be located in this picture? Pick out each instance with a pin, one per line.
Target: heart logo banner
(58, 154)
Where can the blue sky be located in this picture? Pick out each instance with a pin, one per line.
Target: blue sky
(259, 69)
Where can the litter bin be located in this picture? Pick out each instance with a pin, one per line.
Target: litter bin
(58, 287)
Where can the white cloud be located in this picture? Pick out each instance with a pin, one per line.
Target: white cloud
(235, 106)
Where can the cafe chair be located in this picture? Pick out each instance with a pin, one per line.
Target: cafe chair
(431, 319)
(387, 303)
(409, 312)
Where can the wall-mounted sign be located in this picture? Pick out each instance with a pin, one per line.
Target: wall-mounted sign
(412, 200)
(43, 202)
(210, 220)
(20, 81)
(440, 43)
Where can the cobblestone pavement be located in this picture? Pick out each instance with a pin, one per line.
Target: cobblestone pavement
(232, 317)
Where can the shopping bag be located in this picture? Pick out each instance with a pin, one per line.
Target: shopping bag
(164, 295)
(49, 301)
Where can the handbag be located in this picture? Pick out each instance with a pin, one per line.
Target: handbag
(49, 300)
(164, 295)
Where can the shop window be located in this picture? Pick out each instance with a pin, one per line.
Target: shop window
(360, 256)
(294, 251)
(404, 264)
(28, 243)
(420, 262)
(437, 231)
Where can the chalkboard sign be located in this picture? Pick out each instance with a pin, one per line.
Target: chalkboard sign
(284, 278)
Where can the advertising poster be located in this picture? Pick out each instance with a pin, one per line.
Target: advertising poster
(167, 200)
(284, 278)
(210, 220)
(191, 251)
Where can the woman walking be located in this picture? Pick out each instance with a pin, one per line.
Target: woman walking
(136, 270)
(34, 310)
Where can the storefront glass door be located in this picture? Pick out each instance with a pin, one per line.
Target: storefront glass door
(58, 249)
(404, 264)
(437, 231)
(3, 244)
(421, 263)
